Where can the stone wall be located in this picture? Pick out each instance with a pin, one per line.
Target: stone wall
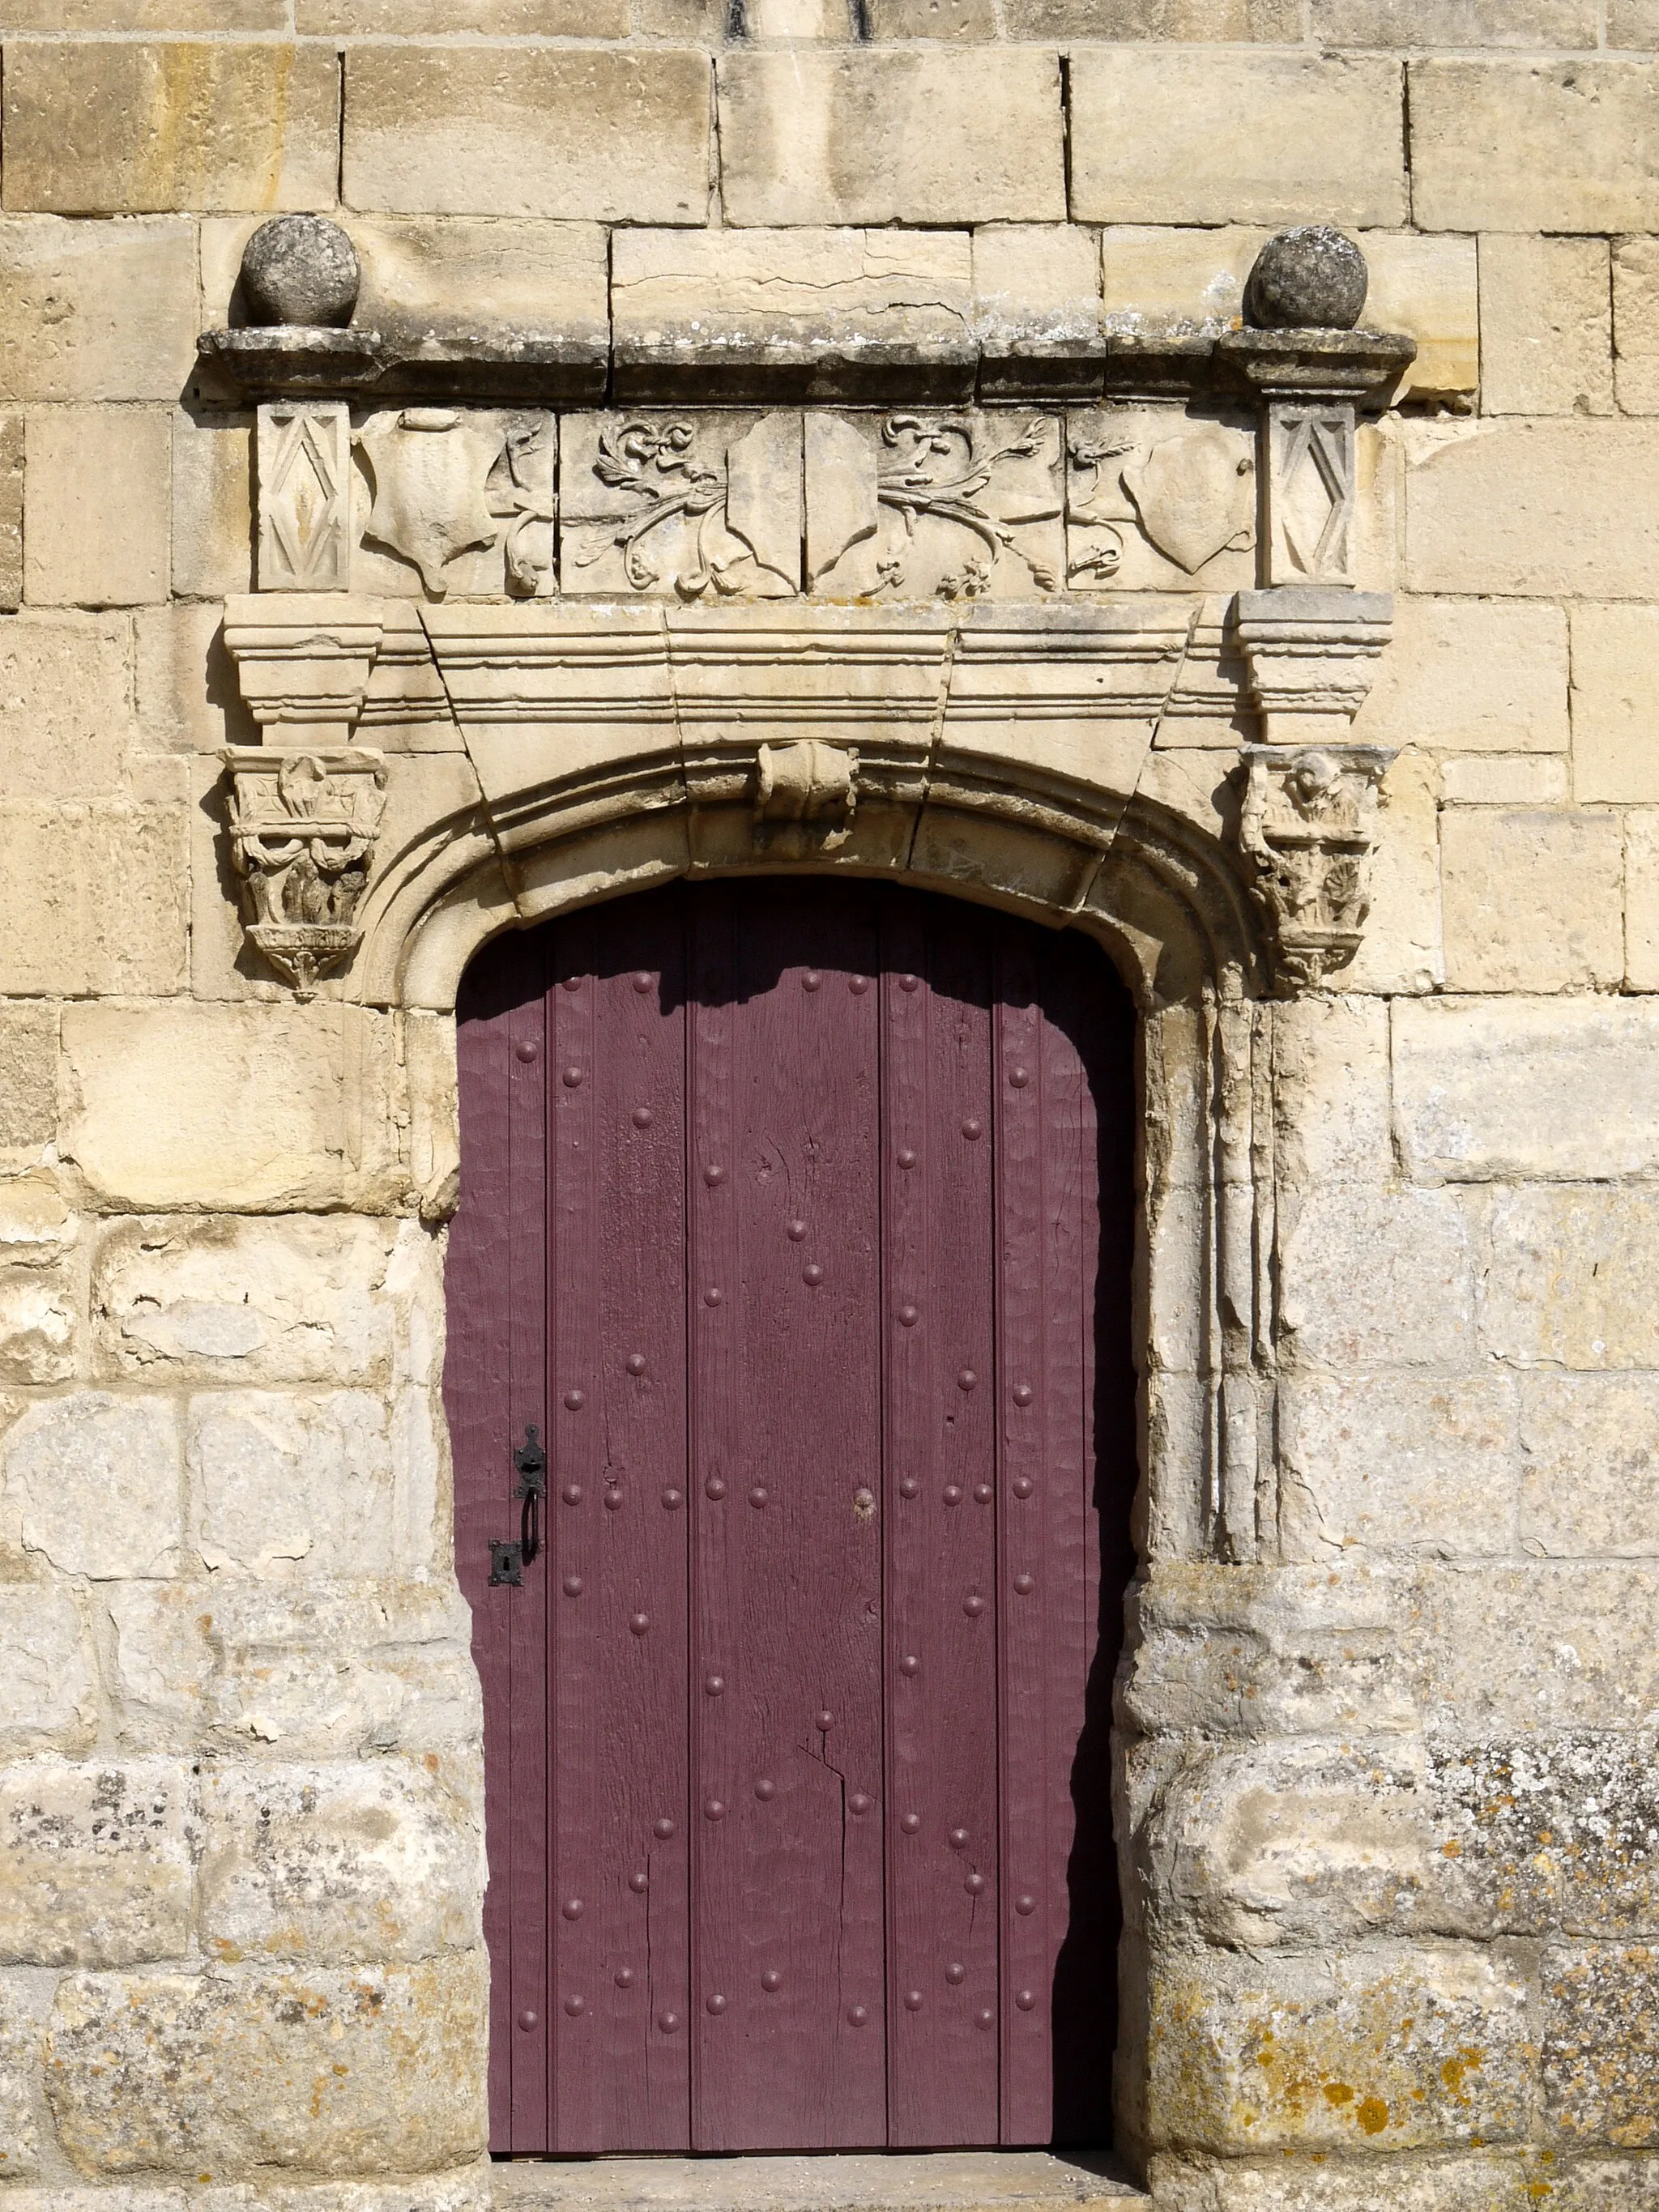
(1390, 1819)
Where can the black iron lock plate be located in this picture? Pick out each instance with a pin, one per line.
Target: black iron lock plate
(506, 1565)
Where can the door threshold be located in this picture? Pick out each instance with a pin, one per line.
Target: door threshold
(821, 2181)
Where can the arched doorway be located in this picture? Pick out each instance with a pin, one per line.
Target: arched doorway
(796, 1216)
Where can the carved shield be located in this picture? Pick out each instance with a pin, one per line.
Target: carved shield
(1195, 495)
(430, 466)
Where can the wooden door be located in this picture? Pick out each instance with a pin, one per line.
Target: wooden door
(795, 1218)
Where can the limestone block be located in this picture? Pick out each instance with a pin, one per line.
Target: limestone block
(96, 311)
(923, 135)
(29, 1081)
(1391, 2048)
(583, 135)
(490, 19)
(1532, 901)
(218, 1107)
(1545, 327)
(1534, 23)
(36, 1225)
(446, 280)
(245, 1300)
(19, 2063)
(96, 1863)
(1331, 1092)
(53, 937)
(212, 506)
(1505, 779)
(1633, 23)
(1494, 1088)
(369, 2070)
(1635, 324)
(334, 1862)
(1378, 1278)
(1584, 123)
(287, 1484)
(1275, 21)
(1185, 137)
(1569, 1277)
(91, 1483)
(1642, 901)
(1397, 1465)
(1165, 281)
(11, 513)
(48, 1689)
(1600, 2054)
(1247, 1651)
(1590, 1475)
(163, 16)
(36, 1326)
(1401, 948)
(1576, 1649)
(1550, 509)
(84, 466)
(1614, 753)
(188, 698)
(827, 308)
(139, 128)
(354, 1671)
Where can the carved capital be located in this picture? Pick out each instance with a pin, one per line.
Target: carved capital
(302, 829)
(1312, 658)
(303, 661)
(1306, 828)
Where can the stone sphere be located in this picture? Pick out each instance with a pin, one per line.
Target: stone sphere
(1311, 279)
(301, 269)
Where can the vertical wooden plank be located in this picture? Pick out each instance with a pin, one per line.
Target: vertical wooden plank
(940, 1466)
(787, 1981)
(618, 1571)
(477, 1405)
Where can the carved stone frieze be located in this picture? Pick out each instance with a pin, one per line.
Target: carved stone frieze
(1156, 499)
(303, 828)
(1306, 828)
(688, 507)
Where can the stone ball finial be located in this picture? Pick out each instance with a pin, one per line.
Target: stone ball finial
(301, 269)
(1308, 278)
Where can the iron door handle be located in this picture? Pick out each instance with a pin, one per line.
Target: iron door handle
(507, 1560)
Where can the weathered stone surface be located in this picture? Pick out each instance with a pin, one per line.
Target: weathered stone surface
(1310, 277)
(578, 135)
(1331, 1093)
(1397, 1465)
(11, 512)
(245, 1300)
(1378, 1278)
(1584, 123)
(301, 269)
(1545, 327)
(179, 1106)
(20, 2060)
(132, 937)
(65, 716)
(92, 1484)
(366, 2070)
(1036, 293)
(282, 1483)
(1590, 1473)
(1613, 754)
(82, 466)
(917, 135)
(1486, 1091)
(1401, 948)
(354, 1671)
(187, 695)
(1568, 1277)
(1276, 22)
(95, 311)
(1265, 1652)
(37, 1327)
(132, 128)
(783, 299)
(1534, 23)
(95, 1863)
(447, 279)
(1601, 2044)
(212, 506)
(1531, 899)
(1577, 1653)
(1472, 676)
(543, 19)
(1642, 900)
(48, 1690)
(1550, 508)
(29, 1081)
(1505, 779)
(36, 1225)
(1388, 2049)
(1187, 136)
(335, 1863)
(1635, 324)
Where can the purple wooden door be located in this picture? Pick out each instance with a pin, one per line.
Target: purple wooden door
(795, 1217)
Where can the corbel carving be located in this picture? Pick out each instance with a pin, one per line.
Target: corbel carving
(303, 828)
(1312, 656)
(806, 795)
(303, 661)
(1306, 828)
